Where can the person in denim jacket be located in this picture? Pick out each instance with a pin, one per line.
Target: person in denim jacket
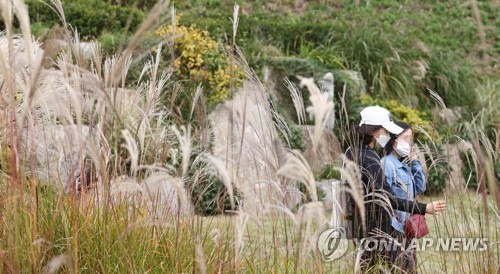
(375, 129)
(405, 177)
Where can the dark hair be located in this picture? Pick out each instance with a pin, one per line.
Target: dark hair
(389, 147)
(365, 133)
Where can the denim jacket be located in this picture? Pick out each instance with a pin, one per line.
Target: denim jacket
(372, 178)
(403, 180)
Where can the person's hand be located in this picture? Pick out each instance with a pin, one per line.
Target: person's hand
(414, 153)
(435, 208)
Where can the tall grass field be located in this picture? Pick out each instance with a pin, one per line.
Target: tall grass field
(113, 163)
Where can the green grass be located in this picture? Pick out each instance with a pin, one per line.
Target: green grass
(382, 41)
(464, 217)
(39, 226)
(44, 228)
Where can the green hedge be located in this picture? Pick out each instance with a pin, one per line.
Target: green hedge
(89, 17)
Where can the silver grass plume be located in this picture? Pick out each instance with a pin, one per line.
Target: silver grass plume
(321, 109)
(297, 168)
(351, 175)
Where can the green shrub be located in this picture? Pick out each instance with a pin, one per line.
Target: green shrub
(386, 42)
(438, 172)
(89, 17)
(469, 171)
(436, 179)
(200, 59)
(140, 4)
(294, 137)
(39, 29)
(210, 196)
(411, 116)
(328, 172)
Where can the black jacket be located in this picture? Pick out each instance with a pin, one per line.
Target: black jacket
(373, 180)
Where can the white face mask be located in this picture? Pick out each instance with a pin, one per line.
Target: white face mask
(382, 140)
(403, 148)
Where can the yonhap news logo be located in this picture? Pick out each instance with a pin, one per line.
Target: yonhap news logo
(332, 243)
(424, 244)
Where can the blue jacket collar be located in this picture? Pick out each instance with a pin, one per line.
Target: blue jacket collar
(396, 161)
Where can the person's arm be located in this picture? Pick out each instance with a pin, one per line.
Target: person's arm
(412, 207)
(389, 174)
(418, 177)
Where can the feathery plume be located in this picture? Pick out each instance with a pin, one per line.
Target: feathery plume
(351, 176)
(297, 168)
(184, 138)
(55, 263)
(221, 172)
(297, 100)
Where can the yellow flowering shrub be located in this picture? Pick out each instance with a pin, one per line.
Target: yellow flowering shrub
(405, 114)
(201, 59)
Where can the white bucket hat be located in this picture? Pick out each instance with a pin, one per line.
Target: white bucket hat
(379, 116)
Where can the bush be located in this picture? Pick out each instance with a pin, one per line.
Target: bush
(89, 17)
(294, 138)
(436, 179)
(112, 42)
(406, 114)
(199, 58)
(469, 171)
(210, 196)
(328, 172)
(140, 4)
(398, 56)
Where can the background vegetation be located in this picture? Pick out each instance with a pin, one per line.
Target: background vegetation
(392, 53)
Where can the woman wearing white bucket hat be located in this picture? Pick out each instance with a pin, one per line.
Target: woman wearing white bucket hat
(374, 129)
(405, 177)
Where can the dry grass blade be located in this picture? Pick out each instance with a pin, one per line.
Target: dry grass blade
(297, 168)
(422, 130)
(184, 139)
(435, 96)
(133, 151)
(150, 221)
(380, 198)
(173, 23)
(240, 225)
(235, 21)
(58, 9)
(297, 100)
(487, 144)
(153, 16)
(21, 11)
(55, 263)
(221, 172)
(321, 110)
(200, 258)
(280, 123)
(286, 211)
(468, 149)
(197, 95)
(309, 83)
(351, 176)
(311, 219)
(157, 187)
